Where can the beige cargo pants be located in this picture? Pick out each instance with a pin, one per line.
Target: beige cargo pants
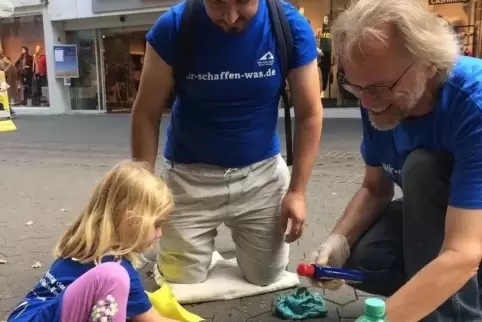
(247, 200)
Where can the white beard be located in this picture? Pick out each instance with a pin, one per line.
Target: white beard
(413, 99)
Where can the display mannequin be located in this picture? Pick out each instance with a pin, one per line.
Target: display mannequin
(325, 60)
(4, 63)
(10, 77)
(40, 73)
(25, 70)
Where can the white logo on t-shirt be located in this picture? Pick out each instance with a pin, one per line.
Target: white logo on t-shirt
(391, 170)
(266, 60)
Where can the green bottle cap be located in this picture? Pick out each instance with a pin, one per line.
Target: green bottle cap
(375, 307)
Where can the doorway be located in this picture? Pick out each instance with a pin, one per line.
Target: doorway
(123, 60)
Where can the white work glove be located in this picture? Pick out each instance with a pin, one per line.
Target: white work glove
(333, 252)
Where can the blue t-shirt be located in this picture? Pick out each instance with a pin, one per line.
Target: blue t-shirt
(454, 126)
(44, 302)
(228, 110)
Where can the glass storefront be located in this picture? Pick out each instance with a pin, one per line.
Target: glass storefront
(111, 60)
(23, 59)
(110, 65)
(343, 97)
(465, 18)
(478, 26)
(84, 91)
(320, 15)
(123, 57)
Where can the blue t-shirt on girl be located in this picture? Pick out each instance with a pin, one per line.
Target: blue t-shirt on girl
(454, 126)
(44, 302)
(228, 112)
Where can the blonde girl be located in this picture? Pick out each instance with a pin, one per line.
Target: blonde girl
(94, 277)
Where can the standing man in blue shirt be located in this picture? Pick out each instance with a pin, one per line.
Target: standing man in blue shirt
(227, 167)
(422, 130)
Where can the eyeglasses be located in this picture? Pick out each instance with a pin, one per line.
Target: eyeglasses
(378, 91)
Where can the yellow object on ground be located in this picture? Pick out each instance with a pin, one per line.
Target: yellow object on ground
(165, 303)
(6, 124)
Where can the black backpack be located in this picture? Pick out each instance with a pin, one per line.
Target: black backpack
(184, 48)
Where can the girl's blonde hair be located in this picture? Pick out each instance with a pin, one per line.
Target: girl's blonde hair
(126, 204)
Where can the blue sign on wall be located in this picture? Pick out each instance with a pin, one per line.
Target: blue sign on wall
(66, 61)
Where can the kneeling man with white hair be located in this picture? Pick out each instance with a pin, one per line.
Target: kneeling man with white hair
(422, 130)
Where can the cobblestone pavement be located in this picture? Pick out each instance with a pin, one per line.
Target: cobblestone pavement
(49, 166)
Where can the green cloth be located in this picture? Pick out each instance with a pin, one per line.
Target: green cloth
(303, 304)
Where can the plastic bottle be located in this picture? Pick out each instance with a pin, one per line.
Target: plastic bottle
(374, 311)
(316, 271)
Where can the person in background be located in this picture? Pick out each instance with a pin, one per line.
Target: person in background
(11, 80)
(94, 277)
(40, 74)
(24, 65)
(12, 77)
(422, 130)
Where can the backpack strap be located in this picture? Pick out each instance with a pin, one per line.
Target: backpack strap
(183, 50)
(284, 43)
(185, 42)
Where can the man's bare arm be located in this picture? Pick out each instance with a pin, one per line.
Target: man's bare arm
(458, 261)
(366, 206)
(304, 85)
(154, 89)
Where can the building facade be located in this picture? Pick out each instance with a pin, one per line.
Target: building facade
(109, 38)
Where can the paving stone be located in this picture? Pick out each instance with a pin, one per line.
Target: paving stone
(51, 164)
(147, 277)
(352, 310)
(361, 294)
(265, 317)
(257, 305)
(210, 309)
(232, 315)
(344, 295)
(326, 319)
(332, 310)
(283, 292)
(9, 304)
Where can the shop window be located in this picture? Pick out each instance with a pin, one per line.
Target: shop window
(320, 14)
(84, 93)
(343, 97)
(477, 38)
(123, 59)
(23, 59)
(464, 18)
